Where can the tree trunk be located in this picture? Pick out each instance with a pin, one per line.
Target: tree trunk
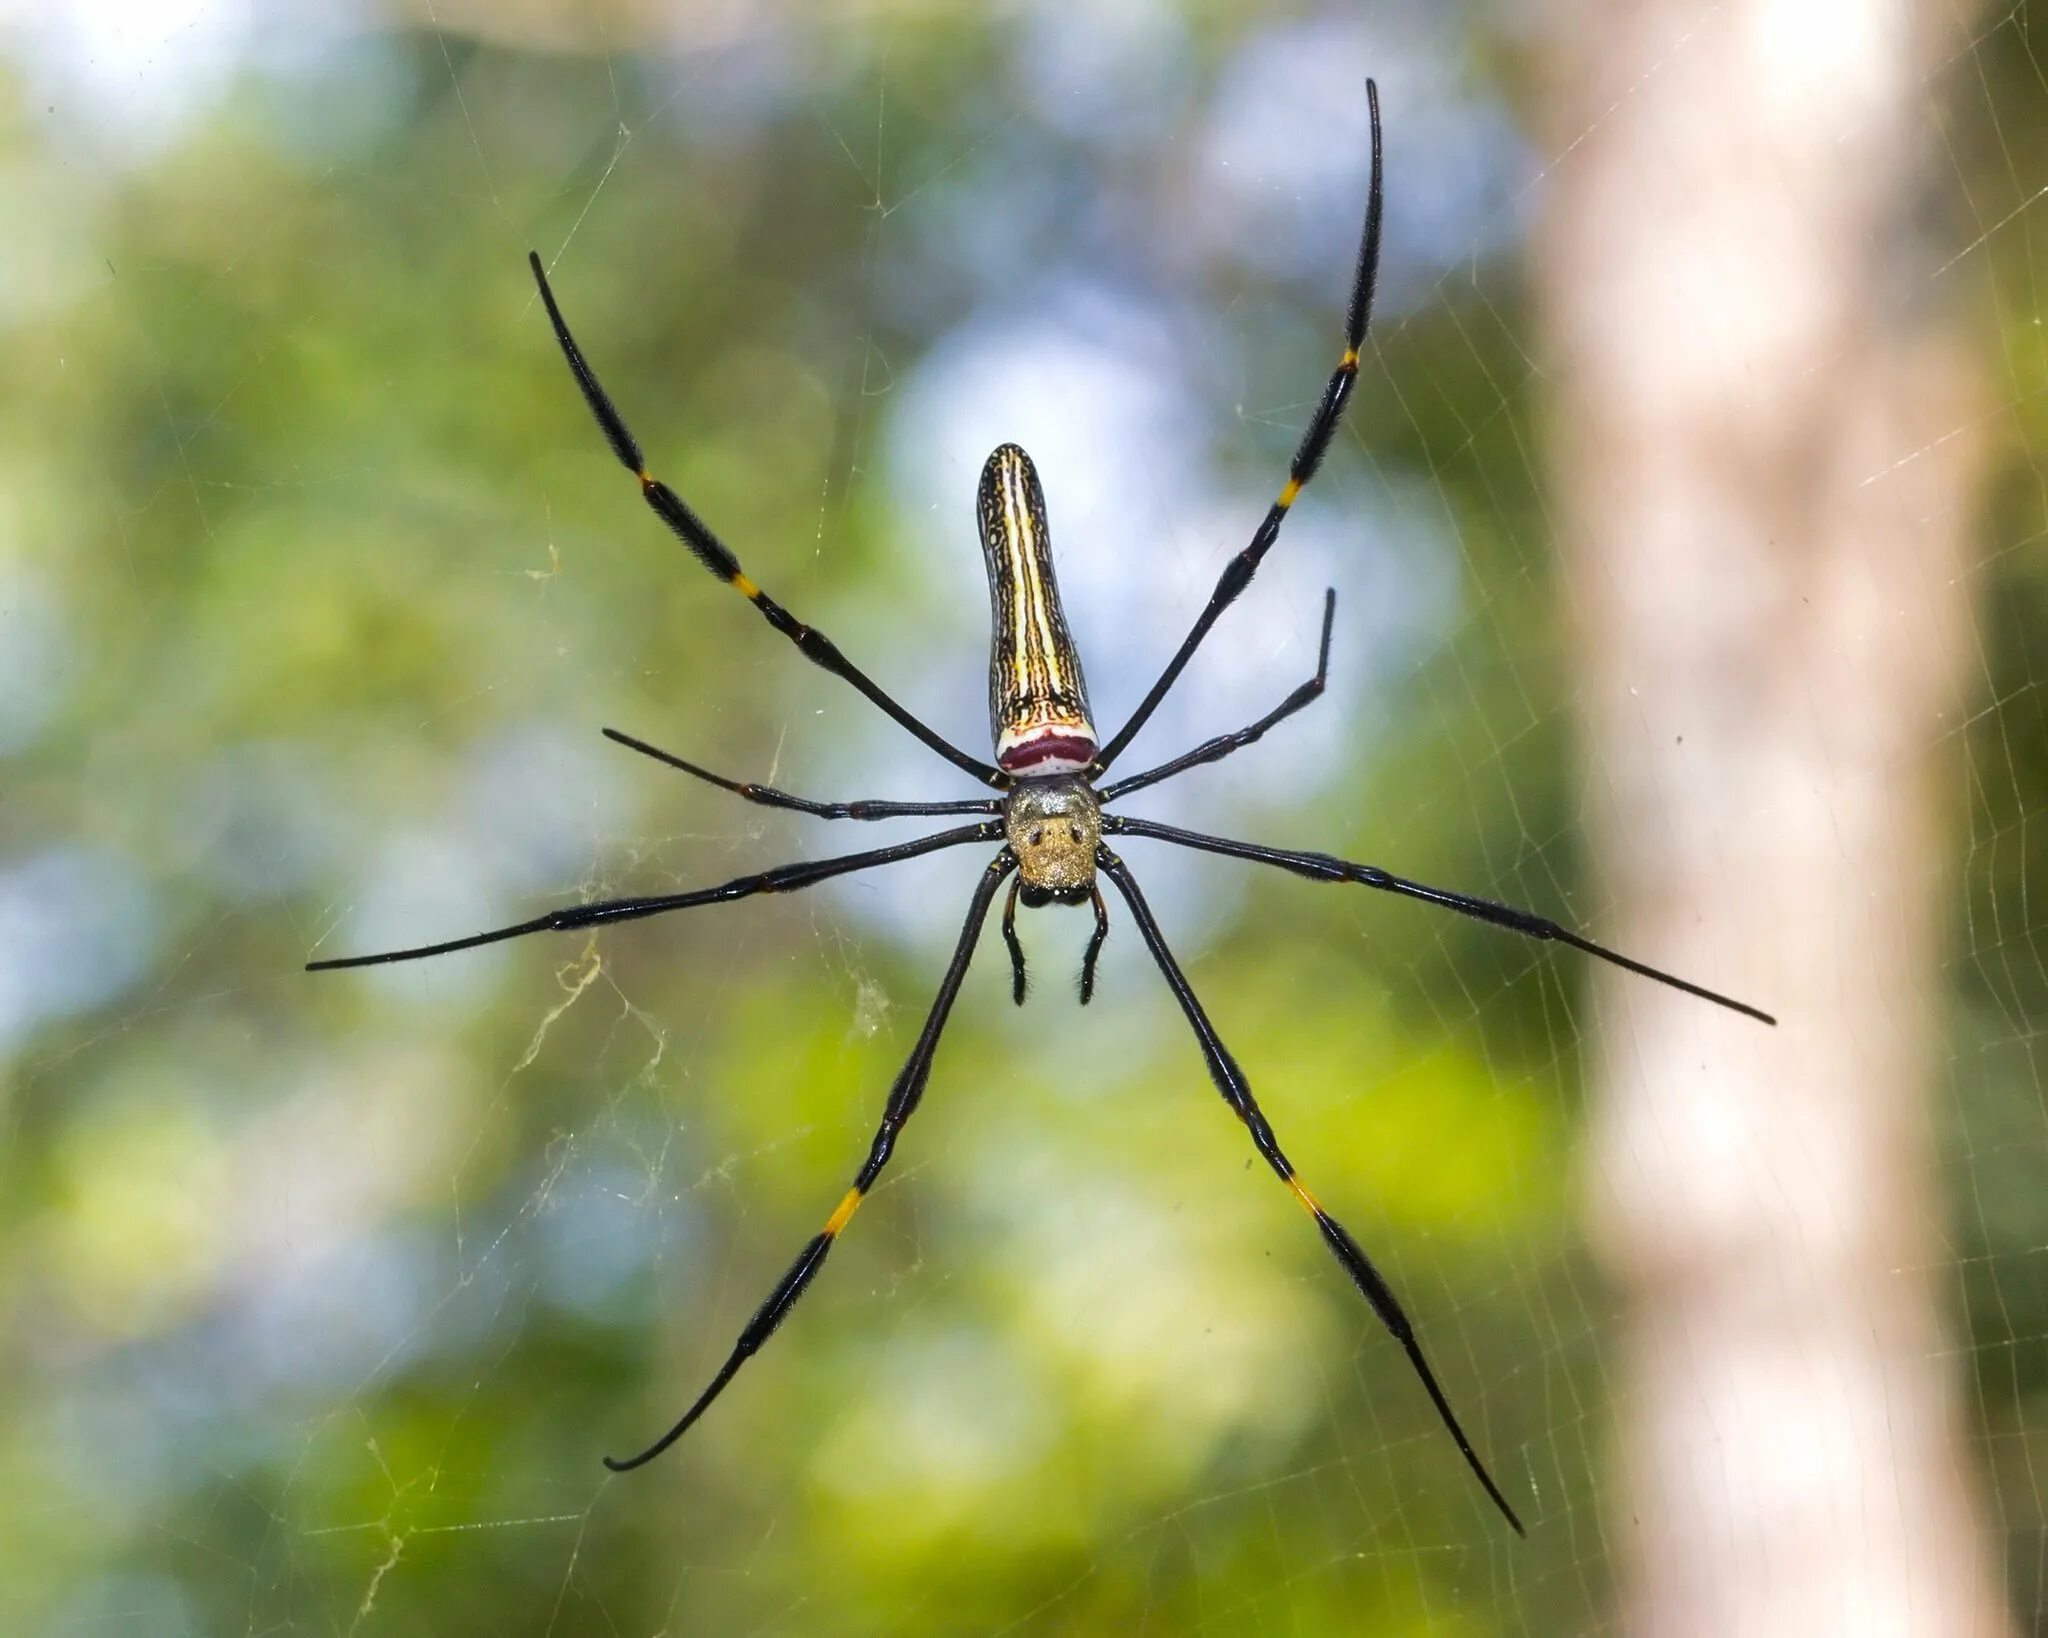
(1765, 459)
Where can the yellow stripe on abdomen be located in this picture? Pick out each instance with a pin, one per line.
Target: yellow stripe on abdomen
(1038, 699)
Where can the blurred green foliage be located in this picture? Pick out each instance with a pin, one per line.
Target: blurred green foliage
(324, 1295)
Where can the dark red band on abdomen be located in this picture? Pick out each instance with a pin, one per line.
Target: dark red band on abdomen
(1075, 749)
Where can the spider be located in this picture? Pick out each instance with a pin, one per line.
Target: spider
(1050, 816)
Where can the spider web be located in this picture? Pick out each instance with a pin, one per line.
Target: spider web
(325, 1294)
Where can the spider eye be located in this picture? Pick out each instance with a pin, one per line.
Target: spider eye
(1074, 832)
(1037, 834)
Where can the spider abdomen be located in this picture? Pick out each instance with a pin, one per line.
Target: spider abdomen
(1037, 697)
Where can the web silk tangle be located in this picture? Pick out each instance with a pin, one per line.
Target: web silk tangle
(1050, 814)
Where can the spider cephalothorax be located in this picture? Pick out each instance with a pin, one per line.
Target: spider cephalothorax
(1053, 826)
(1050, 818)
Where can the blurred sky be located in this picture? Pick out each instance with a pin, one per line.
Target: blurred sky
(1079, 356)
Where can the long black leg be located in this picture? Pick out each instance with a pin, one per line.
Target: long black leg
(1088, 956)
(1019, 979)
(1215, 750)
(1321, 867)
(714, 554)
(1308, 455)
(769, 798)
(1237, 1092)
(781, 879)
(903, 1101)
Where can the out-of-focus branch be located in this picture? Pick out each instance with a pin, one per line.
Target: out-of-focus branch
(1765, 459)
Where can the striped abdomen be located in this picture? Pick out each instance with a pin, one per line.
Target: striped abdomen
(1037, 699)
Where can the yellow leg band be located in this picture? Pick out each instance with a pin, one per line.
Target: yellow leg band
(1350, 359)
(840, 1213)
(746, 588)
(1288, 491)
(1309, 1203)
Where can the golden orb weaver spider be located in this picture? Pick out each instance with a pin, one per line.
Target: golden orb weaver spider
(1050, 817)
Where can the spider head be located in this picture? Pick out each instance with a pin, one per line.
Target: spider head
(1053, 825)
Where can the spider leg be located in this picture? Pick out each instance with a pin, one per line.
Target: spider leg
(769, 798)
(1321, 867)
(1215, 750)
(714, 554)
(903, 1100)
(1308, 455)
(782, 879)
(1018, 978)
(1237, 1093)
(1094, 946)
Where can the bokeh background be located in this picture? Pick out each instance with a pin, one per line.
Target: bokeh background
(323, 1294)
